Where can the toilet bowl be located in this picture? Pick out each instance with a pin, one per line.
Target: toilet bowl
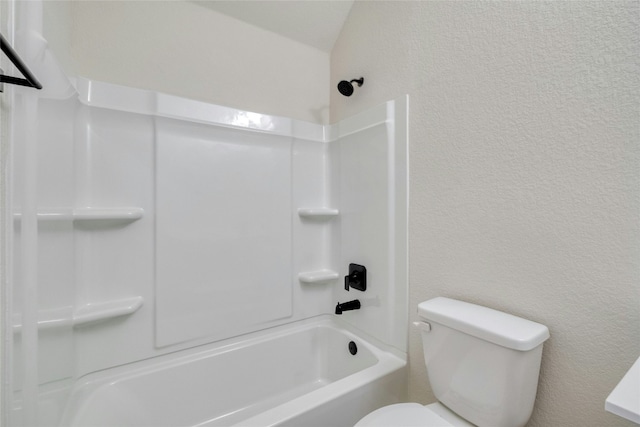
(413, 415)
(483, 368)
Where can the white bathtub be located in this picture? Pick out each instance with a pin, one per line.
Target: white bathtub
(301, 374)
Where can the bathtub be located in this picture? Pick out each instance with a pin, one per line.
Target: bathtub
(300, 374)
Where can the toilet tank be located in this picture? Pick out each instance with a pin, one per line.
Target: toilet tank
(483, 364)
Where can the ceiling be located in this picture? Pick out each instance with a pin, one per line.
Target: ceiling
(315, 23)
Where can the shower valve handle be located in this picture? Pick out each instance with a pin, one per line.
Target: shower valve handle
(357, 278)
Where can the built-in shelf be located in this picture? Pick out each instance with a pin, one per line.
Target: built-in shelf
(85, 314)
(88, 214)
(318, 276)
(320, 213)
(95, 312)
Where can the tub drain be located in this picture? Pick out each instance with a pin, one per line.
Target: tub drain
(353, 348)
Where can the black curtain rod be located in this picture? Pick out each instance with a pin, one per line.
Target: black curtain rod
(29, 80)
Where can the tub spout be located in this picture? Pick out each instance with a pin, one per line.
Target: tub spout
(346, 306)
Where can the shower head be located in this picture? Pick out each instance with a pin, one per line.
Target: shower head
(346, 88)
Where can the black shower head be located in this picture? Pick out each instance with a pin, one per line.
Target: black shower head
(346, 88)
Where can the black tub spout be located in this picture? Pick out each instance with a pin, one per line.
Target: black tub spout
(346, 306)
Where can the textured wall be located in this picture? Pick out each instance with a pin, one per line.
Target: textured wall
(525, 172)
(185, 49)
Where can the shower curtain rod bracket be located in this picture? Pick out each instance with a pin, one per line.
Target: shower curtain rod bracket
(29, 79)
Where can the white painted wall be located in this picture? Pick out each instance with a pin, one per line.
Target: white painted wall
(57, 27)
(184, 49)
(525, 164)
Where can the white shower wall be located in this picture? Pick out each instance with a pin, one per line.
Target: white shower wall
(166, 223)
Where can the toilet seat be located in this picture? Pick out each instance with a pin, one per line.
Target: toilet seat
(412, 415)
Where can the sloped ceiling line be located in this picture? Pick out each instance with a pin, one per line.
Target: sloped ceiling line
(311, 22)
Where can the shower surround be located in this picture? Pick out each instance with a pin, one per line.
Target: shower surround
(161, 227)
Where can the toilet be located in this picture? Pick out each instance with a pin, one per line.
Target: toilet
(482, 364)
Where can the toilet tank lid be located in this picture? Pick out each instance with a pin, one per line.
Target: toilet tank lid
(485, 323)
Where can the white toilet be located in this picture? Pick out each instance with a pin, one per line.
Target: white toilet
(482, 364)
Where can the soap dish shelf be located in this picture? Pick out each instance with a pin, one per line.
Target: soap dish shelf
(86, 314)
(318, 213)
(96, 312)
(88, 214)
(318, 276)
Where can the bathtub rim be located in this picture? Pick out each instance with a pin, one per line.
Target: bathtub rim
(389, 359)
(284, 412)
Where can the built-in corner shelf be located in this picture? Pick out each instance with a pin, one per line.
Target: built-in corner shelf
(85, 314)
(96, 312)
(89, 214)
(319, 213)
(318, 276)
